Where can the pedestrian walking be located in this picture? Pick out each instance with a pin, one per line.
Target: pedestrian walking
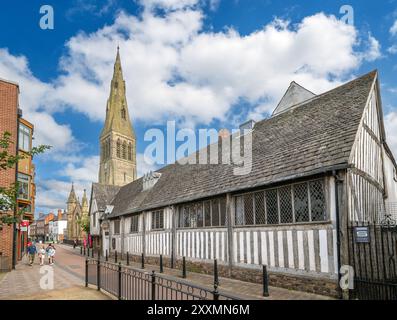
(51, 254)
(74, 244)
(42, 255)
(31, 252)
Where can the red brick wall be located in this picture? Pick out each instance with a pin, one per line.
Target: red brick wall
(8, 122)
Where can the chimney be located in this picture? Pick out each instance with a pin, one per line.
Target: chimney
(59, 214)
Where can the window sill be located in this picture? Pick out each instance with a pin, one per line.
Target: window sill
(284, 224)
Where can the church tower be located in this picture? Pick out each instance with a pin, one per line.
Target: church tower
(71, 206)
(117, 141)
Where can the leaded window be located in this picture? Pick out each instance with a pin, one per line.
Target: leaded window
(210, 213)
(134, 224)
(116, 226)
(157, 219)
(296, 203)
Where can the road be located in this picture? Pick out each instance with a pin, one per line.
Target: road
(31, 282)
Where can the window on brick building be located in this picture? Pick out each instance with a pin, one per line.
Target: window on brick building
(25, 137)
(23, 186)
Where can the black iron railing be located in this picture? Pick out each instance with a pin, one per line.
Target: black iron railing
(127, 283)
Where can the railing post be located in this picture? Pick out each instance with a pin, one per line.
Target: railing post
(86, 272)
(172, 261)
(216, 292)
(153, 285)
(98, 274)
(143, 261)
(161, 263)
(115, 256)
(106, 255)
(216, 279)
(265, 282)
(183, 267)
(119, 274)
(128, 259)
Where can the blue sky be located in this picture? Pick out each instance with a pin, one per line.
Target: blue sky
(201, 63)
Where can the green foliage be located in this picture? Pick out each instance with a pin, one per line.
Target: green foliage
(84, 223)
(9, 195)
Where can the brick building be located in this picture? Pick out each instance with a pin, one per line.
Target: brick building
(8, 122)
(13, 244)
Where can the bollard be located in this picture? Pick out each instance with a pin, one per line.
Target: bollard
(216, 279)
(98, 274)
(143, 261)
(172, 261)
(84, 251)
(81, 250)
(106, 255)
(92, 253)
(86, 272)
(128, 259)
(161, 263)
(115, 256)
(88, 251)
(183, 267)
(265, 282)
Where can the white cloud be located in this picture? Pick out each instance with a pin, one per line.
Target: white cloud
(393, 29)
(392, 49)
(374, 49)
(87, 171)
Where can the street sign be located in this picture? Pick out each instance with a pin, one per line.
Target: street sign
(362, 234)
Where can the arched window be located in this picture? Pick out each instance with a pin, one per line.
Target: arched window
(103, 151)
(124, 150)
(118, 148)
(123, 113)
(130, 151)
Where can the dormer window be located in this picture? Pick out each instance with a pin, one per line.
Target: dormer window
(123, 113)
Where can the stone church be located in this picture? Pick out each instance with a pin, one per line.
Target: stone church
(117, 153)
(117, 140)
(75, 211)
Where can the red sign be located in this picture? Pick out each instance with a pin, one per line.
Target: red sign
(24, 223)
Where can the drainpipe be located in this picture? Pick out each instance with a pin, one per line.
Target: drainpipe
(338, 242)
(14, 225)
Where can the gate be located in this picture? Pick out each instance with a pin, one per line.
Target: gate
(373, 255)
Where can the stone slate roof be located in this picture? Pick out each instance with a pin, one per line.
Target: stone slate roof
(104, 194)
(311, 138)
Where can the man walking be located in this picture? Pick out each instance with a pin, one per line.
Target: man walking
(31, 252)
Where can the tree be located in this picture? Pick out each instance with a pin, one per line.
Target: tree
(84, 223)
(9, 195)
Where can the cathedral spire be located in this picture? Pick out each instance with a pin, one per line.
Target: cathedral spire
(117, 141)
(72, 195)
(117, 115)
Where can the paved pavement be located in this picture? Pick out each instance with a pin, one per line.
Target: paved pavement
(68, 270)
(242, 289)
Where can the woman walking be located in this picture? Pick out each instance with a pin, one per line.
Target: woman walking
(42, 253)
